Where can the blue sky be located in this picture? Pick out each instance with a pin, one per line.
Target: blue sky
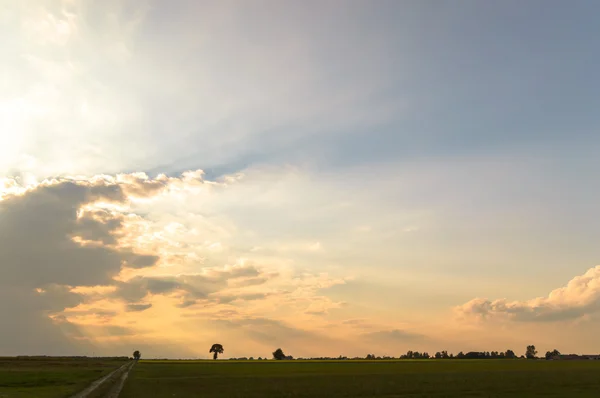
(451, 79)
(386, 165)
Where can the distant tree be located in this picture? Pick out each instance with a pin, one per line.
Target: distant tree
(438, 355)
(216, 349)
(475, 355)
(552, 354)
(510, 354)
(445, 354)
(278, 354)
(370, 356)
(530, 352)
(460, 355)
(425, 355)
(136, 355)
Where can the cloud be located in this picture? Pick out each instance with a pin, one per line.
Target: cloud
(225, 299)
(254, 281)
(104, 249)
(580, 297)
(357, 323)
(395, 335)
(138, 307)
(38, 230)
(188, 287)
(64, 234)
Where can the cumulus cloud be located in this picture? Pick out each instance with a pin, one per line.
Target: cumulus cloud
(63, 234)
(85, 257)
(38, 230)
(580, 297)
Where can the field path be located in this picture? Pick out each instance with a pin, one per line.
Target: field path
(118, 386)
(108, 379)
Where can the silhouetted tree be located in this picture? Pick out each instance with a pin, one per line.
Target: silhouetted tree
(460, 355)
(510, 354)
(278, 354)
(136, 355)
(217, 349)
(445, 355)
(552, 354)
(530, 353)
(475, 355)
(438, 355)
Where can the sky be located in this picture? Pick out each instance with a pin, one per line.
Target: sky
(326, 177)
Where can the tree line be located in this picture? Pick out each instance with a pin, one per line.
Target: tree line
(278, 354)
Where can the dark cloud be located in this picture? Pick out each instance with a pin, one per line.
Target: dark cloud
(36, 231)
(186, 303)
(225, 299)
(138, 307)
(189, 288)
(41, 260)
(98, 226)
(113, 330)
(258, 280)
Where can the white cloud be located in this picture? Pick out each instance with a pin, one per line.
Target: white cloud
(579, 298)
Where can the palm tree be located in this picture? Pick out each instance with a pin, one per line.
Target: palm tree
(217, 349)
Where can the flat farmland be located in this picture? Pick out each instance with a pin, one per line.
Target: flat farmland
(418, 378)
(50, 377)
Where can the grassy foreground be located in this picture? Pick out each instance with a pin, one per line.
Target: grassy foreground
(426, 378)
(50, 377)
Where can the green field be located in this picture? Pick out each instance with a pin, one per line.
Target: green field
(50, 377)
(425, 378)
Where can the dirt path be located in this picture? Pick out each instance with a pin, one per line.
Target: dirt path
(118, 386)
(116, 379)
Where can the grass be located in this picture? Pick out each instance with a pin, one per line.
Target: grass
(48, 377)
(426, 378)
